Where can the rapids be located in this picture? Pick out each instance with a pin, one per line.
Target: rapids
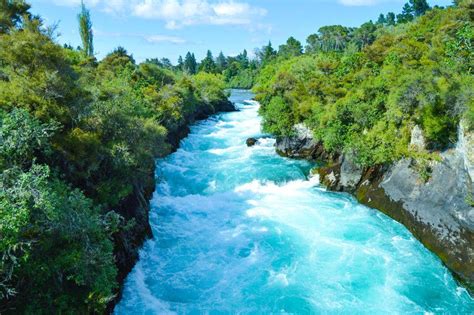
(242, 230)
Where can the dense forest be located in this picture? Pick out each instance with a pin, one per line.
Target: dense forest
(78, 138)
(362, 90)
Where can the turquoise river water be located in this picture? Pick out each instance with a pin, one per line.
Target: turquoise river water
(242, 230)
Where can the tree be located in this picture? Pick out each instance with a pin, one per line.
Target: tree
(406, 15)
(207, 64)
(180, 64)
(419, 7)
(292, 48)
(391, 18)
(332, 38)
(266, 53)
(243, 59)
(365, 34)
(221, 62)
(85, 30)
(381, 20)
(190, 65)
(11, 13)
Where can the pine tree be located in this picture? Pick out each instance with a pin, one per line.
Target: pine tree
(381, 20)
(221, 62)
(190, 65)
(180, 65)
(419, 7)
(208, 64)
(406, 15)
(391, 18)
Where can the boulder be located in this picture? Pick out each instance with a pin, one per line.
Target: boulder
(300, 144)
(351, 173)
(251, 142)
(417, 140)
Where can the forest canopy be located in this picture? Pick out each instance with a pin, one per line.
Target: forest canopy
(362, 90)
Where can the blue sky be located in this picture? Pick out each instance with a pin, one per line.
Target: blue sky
(169, 28)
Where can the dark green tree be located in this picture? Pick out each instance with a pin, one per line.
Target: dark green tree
(292, 48)
(365, 34)
(190, 64)
(207, 64)
(406, 15)
(180, 64)
(381, 20)
(221, 62)
(266, 53)
(419, 7)
(391, 19)
(243, 59)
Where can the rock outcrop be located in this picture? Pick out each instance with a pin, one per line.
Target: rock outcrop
(300, 145)
(439, 212)
(251, 142)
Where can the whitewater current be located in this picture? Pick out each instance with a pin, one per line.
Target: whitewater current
(241, 230)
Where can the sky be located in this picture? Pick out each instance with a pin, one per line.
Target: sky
(170, 28)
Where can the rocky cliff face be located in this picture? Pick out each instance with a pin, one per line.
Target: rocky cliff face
(438, 211)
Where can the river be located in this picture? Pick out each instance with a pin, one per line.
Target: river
(242, 230)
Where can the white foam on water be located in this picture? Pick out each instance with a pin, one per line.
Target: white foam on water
(242, 230)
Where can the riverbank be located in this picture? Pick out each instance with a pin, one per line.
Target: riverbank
(137, 206)
(239, 229)
(436, 211)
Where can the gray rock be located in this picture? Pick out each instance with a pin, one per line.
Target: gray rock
(300, 145)
(351, 173)
(438, 212)
(465, 147)
(417, 140)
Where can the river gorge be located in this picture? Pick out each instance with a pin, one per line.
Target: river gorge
(240, 229)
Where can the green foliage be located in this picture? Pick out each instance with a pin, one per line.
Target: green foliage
(56, 248)
(366, 100)
(78, 139)
(22, 138)
(11, 13)
(190, 65)
(208, 64)
(292, 48)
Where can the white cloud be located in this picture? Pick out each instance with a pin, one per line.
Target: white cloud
(179, 13)
(359, 2)
(164, 38)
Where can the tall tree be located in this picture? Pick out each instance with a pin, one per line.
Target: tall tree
(406, 15)
(221, 62)
(243, 59)
(419, 7)
(381, 20)
(85, 30)
(333, 37)
(365, 34)
(190, 65)
(180, 65)
(292, 48)
(207, 64)
(391, 20)
(266, 53)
